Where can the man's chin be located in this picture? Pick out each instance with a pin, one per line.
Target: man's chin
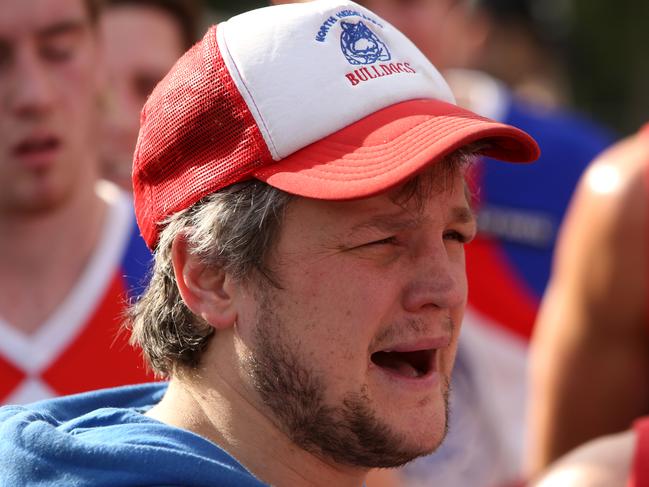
(401, 446)
(399, 459)
(421, 435)
(413, 451)
(40, 204)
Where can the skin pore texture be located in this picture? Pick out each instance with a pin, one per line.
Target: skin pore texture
(353, 347)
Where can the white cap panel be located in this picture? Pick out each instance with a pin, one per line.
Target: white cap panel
(351, 63)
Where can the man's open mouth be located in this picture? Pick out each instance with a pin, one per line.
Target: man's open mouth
(36, 145)
(414, 364)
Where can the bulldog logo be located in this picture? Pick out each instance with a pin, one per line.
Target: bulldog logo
(360, 45)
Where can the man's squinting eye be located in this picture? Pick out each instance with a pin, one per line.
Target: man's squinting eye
(374, 244)
(56, 53)
(384, 241)
(458, 236)
(60, 47)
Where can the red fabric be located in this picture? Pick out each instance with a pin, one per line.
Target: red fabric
(96, 358)
(197, 135)
(496, 290)
(639, 475)
(11, 378)
(387, 147)
(100, 356)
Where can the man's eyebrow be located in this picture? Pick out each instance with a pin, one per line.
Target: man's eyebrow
(401, 221)
(390, 222)
(64, 27)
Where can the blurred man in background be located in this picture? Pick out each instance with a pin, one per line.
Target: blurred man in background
(142, 39)
(70, 251)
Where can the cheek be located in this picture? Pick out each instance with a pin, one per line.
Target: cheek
(340, 312)
(78, 84)
(342, 294)
(457, 259)
(457, 316)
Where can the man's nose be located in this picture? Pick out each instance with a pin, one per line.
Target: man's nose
(32, 93)
(439, 281)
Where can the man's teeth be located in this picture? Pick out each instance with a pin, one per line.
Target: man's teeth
(408, 370)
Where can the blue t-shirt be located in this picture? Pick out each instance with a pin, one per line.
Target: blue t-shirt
(102, 438)
(538, 193)
(521, 208)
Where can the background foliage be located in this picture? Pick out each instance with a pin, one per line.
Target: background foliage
(603, 46)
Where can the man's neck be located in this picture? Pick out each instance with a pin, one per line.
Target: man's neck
(221, 413)
(43, 254)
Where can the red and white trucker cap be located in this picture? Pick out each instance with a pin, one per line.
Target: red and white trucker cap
(322, 99)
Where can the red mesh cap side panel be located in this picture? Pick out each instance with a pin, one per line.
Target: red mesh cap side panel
(197, 136)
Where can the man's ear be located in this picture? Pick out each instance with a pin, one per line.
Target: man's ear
(206, 290)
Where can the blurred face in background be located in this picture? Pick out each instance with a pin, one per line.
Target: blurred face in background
(449, 32)
(140, 43)
(48, 96)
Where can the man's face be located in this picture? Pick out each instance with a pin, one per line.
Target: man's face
(140, 45)
(353, 352)
(442, 29)
(48, 95)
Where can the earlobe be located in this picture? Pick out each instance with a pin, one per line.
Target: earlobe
(206, 290)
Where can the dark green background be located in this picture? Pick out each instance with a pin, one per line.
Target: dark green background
(605, 47)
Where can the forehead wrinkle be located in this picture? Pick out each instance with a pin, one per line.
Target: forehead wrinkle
(391, 222)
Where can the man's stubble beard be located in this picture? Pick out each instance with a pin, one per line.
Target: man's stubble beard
(349, 433)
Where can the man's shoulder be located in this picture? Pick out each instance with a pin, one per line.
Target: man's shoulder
(602, 462)
(103, 438)
(614, 187)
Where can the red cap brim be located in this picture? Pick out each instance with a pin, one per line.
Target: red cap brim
(388, 147)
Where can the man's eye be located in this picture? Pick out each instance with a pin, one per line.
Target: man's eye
(57, 53)
(60, 46)
(457, 236)
(384, 241)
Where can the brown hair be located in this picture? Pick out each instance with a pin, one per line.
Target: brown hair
(93, 7)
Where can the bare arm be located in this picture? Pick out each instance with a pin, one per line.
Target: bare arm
(590, 350)
(603, 462)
